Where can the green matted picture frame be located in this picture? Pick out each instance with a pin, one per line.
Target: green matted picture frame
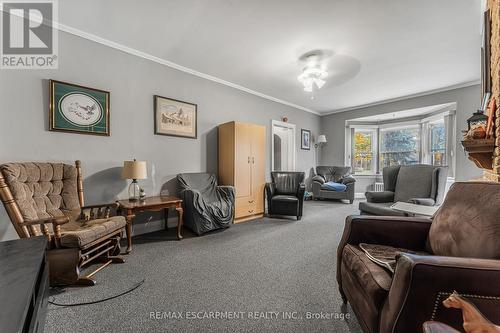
(78, 109)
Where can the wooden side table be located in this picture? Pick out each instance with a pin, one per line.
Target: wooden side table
(153, 204)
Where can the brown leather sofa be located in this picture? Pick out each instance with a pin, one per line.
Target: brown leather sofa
(459, 249)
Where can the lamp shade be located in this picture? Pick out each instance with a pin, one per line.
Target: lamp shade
(321, 139)
(134, 170)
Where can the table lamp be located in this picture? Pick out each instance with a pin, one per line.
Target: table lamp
(134, 170)
(321, 141)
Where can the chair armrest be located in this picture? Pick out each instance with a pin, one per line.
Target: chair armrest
(422, 201)
(301, 190)
(437, 327)
(300, 194)
(53, 220)
(348, 180)
(419, 281)
(318, 179)
(98, 211)
(398, 231)
(384, 196)
(110, 205)
(270, 189)
(228, 190)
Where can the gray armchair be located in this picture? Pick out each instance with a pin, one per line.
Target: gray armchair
(337, 174)
(420, 184)
(206, 205)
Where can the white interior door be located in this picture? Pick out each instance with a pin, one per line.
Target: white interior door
(283, 146)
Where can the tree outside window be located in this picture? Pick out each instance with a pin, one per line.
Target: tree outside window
(363, 152)
(437, 134)
(399, 146)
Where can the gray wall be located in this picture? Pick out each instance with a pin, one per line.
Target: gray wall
(132, 82)
(467, 99)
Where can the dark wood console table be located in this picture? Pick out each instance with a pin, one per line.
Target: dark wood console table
(130, 208)
(24, 285)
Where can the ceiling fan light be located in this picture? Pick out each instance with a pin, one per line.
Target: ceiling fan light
(319, 83)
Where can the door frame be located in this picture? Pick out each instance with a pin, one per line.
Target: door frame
(292, 150)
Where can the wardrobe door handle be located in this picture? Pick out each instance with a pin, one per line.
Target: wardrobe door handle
(250, 201)
(253, 160)
(250, 211)
(248, 159)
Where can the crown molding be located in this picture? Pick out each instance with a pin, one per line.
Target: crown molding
(396, 99)
(147, 56)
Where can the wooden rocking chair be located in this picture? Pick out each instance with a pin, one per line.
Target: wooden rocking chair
(47, 199)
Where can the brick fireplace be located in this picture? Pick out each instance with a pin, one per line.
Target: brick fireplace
(494, 6)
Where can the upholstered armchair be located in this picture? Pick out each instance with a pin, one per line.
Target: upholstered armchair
(47, 199)
(285, 193)
(207, 206)
(419, 184)
(459, 251)
(336, 174)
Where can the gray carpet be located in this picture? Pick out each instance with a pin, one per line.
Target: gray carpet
(270, 265)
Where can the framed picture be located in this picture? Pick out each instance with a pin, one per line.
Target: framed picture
(305, 139)
(78, 109)
(175, 118)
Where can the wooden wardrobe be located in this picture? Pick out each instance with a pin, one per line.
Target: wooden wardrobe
(242, 162)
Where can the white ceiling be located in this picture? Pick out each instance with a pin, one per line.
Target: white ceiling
(382, 50)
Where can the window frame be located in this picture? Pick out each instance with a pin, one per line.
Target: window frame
(449, 119)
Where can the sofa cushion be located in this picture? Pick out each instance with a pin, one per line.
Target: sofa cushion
(366, 283)
(414, 181)
(468, 222)
(77, 234)
(379, 208)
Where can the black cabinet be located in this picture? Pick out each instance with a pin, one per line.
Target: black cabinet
(24, 285)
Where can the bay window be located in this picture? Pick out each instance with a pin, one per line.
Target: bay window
(374, 146)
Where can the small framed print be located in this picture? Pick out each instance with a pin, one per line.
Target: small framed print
(78, 109)
(175, 118)
(305, 139)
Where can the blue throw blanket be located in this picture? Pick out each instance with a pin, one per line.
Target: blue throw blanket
(335, 186)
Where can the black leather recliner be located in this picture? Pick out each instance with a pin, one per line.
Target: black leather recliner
(285, 193)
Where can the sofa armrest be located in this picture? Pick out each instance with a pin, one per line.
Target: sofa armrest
(419, 281)
(348, 180)
(422, 201)
(318, 179)
(378, 197)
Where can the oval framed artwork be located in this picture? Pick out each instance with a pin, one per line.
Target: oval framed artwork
(78, 109)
